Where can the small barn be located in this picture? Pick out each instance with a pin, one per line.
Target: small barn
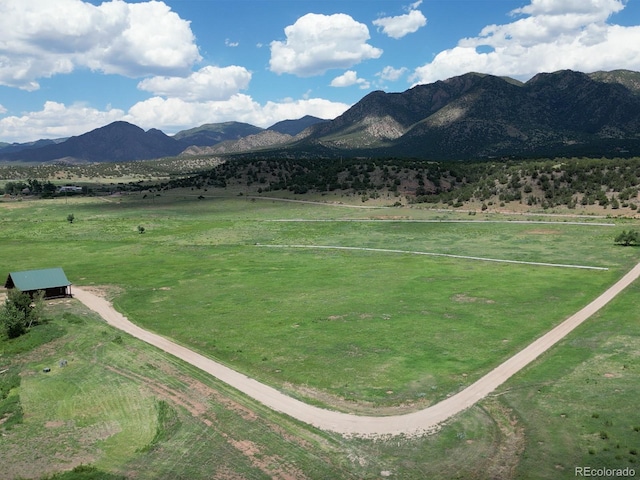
(52, 281)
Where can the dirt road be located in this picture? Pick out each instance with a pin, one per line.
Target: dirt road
(431, 254)
(416, 423)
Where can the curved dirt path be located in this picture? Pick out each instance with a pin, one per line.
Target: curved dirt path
(416, 423)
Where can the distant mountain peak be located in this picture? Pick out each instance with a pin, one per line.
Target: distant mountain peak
(211, 134)
(477, 115)
(294, 127)
(116, 142)
(474, 115)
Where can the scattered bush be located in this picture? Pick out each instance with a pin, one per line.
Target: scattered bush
(627, 238)
(84, 472)
(20, 312)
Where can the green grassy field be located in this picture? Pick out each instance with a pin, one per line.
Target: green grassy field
(399, 328)
(129, 410)
(351, 329)
(542, 424)
(578, 404)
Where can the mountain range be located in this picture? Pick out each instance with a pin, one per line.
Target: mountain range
(476, 116)
(465, 117)
(122, 141)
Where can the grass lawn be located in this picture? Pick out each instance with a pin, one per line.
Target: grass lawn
(417, 327)
(77, 414)
(127, 409)
(352, 329)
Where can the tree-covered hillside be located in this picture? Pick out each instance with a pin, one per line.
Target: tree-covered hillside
(611, 183)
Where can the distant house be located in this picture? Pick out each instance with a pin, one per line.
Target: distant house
(70, 189)
(52, 281)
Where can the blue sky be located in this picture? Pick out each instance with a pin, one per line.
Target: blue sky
(69, 66)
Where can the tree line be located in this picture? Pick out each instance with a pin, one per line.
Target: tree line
(609, 183)
(544, 183)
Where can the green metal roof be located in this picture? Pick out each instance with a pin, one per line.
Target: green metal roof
(38, 279)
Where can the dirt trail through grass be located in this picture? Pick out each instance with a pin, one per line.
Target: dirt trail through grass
(431, 254)
(416, 423)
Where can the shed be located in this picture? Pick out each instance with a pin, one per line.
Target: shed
(52, 281)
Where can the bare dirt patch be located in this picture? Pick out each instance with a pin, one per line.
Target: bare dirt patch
(208, 393)
(197, 408)
(46, 351)
(108, 292)
(247, 447)
(511, 441)
(54, 424)
(226, 473)
(543, 231)
(50, 450)
(12, 203)
(464, 298)
(390, 217)
(271, 465)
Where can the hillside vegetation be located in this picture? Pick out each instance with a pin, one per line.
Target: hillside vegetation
(544, 184)
(568, 183)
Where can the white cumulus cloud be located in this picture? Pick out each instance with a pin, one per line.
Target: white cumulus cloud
(402, 25)
(600, 8)
(316, 43)
(208, 83)
(173, 114)
(42, 38)
(391, 74)
(56, 120)
(273, 112)
(551, 35)
(349, 78)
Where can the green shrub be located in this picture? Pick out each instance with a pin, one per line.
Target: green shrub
(627, 238)
(84, 472)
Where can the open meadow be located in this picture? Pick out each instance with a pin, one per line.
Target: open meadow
(366, 310)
